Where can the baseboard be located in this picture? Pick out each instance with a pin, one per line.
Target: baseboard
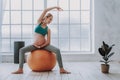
(8, 58)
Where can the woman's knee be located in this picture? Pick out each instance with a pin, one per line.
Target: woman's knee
(57, 50)
(22, 50)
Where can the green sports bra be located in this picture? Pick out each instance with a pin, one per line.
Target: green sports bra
(40, 30)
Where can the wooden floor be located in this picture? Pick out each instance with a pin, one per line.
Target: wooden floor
(80, 71)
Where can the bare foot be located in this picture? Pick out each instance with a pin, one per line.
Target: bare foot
(63, 71)
(19, 71)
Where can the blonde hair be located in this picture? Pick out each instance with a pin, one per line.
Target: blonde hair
(47, 16)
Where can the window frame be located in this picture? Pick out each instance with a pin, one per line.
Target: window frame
(58, 38)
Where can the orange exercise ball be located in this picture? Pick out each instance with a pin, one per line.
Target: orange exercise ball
(41, 60)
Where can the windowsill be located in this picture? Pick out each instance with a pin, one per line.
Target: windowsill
(66, 57)
(63, 53)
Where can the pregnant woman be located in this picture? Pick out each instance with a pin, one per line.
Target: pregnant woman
(41, 42)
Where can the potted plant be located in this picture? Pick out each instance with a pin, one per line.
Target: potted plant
(105, 52)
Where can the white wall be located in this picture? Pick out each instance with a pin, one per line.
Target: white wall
(0, 25)
(107, 28)
(0, 16)
(107, 24)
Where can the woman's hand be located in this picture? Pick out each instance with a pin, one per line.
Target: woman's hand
(51, 8)
(59, 9)
(37, 46)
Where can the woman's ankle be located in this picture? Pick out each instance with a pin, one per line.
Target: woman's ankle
(61, 68)
(20, 69)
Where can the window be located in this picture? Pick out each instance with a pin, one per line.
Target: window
(72, 29)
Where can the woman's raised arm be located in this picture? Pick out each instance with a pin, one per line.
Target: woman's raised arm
(45, 11)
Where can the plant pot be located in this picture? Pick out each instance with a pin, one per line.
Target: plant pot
(105, 68)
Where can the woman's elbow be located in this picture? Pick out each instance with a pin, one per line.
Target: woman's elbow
(48, 43)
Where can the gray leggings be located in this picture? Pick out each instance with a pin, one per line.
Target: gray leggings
(30, 48)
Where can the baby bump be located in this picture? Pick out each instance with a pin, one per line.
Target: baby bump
(39, 42)
(39, 39)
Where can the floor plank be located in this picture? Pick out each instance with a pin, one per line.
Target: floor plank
(79, 71)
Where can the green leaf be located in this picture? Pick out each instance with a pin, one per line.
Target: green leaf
(108, 51)
(101, 52)
(105, 46)
(110, 48)
(110, 54)
(105, 58)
